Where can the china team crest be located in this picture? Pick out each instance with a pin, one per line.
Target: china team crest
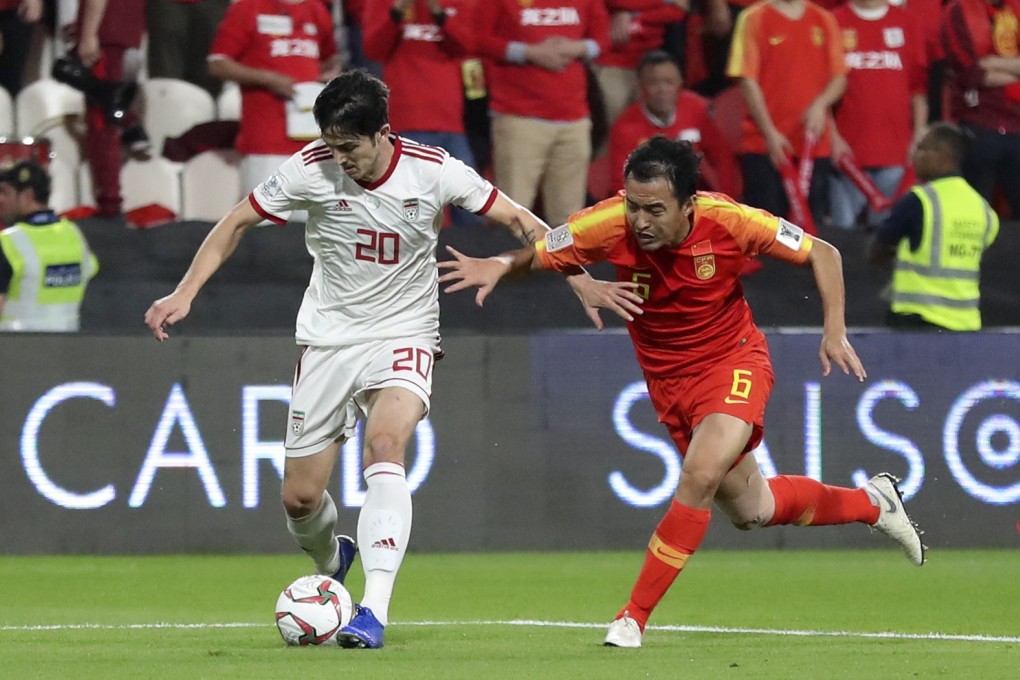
(704, 266)
(411, 209)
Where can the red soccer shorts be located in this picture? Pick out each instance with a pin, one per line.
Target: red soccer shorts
(738, 385)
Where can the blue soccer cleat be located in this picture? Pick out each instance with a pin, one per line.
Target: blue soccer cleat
(363, 632)
(347, 552)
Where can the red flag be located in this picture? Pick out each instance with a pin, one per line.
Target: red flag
(799, 210)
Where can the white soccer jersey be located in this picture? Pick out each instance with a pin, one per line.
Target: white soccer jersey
(374, 245)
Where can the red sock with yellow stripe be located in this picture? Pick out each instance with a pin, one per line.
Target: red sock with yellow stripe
(675, 539)
(807, 502)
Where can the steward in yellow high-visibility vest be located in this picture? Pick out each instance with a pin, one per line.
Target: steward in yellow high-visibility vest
(938, 233)
(45, 262)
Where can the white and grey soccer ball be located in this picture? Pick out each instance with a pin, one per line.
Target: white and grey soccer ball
(312, 609)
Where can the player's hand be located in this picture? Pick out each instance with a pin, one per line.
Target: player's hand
(166, 312)
(616, 296)
(840, 148)
(88, 49)
(838, 349)
(468, 272)
(814, 120)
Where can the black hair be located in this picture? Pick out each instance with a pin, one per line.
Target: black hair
(950, 139)
(655, 58)
(28, 174)
(355, 102)
(674, 160)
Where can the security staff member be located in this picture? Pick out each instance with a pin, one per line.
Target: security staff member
(937, 234)
(45, 262)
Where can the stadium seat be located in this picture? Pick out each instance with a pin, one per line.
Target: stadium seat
(210, 185)
(64, 194)
(7, 127)
(171, 107)
(153, 182)
(43, 105)
(86, 194)
(228, 104)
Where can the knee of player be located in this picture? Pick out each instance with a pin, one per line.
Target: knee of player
(384, 447)
(300, 500)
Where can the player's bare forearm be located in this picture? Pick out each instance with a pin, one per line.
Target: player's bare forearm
(827, 265)
(219, 244)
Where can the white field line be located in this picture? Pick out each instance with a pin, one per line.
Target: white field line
(721, 630)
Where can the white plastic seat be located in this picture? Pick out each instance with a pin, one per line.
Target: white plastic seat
(210, 185)
(228, 104)
(44, 104)
(171, 107)
(155, 181)
(86, 193)
(64, 192)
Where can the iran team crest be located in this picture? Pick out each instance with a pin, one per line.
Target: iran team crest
(411, 209)
(297, 422)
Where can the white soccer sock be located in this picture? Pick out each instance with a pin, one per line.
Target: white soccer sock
(384, 528)
(316, 536)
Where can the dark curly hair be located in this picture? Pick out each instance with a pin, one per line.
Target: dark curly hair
(355, 102)
(674, 160)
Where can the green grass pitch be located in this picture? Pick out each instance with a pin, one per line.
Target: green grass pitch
(734, 615)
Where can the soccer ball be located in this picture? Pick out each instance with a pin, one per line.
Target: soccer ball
(312, 609)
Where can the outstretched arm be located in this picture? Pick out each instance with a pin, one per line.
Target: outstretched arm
(615, 296)
(827, 264)
(214, 251)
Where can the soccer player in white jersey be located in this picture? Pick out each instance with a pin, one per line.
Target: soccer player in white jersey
(369, 322)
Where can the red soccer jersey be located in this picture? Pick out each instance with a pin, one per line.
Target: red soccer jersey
(526, 89)
(692, 122)
(886, 58)
(648, 19)
(792, 61)
(421, 63)
(695, 311)
(292, 38)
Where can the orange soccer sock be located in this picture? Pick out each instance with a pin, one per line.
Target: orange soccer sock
(807, 502)
(675, 539)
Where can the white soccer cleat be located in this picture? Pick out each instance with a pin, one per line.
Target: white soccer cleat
(623, 632)
(892, 516)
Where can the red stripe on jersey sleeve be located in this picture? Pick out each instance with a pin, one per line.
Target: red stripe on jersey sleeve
(262, 211)
(489, 201)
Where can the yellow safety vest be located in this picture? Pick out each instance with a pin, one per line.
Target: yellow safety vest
(52, 265)
(940, 280)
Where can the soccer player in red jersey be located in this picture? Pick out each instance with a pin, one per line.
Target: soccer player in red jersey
(705, 362)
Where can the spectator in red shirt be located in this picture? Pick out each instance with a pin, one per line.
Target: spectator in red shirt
(541, 124)
(17, 18)
(884, 111)
(788, 56)
(180, 33)
(982, 42)
(666, 108)
(269, 47)
(636, 27)
(421, 45)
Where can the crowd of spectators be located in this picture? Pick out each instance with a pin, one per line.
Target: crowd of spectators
(547, 97)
